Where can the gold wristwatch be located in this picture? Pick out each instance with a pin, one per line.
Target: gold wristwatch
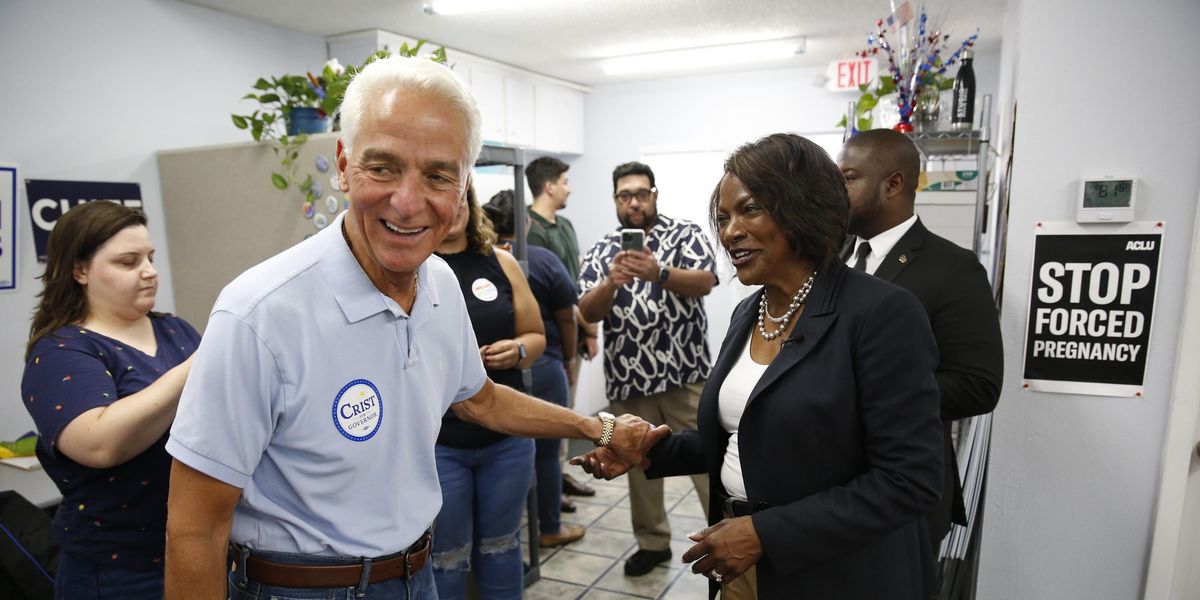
(610, 423)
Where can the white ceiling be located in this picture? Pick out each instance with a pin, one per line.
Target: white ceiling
(567, 38)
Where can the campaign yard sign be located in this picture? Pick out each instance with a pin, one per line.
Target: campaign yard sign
(49, 199)
(1091, 306)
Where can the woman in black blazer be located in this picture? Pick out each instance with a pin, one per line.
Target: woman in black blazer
(819, 428)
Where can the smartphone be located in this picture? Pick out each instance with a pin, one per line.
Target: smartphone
(633, 239)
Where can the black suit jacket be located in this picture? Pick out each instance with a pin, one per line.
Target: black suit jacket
(954, 289)
(840, 444)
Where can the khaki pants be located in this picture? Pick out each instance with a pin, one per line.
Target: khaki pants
(676, 408)
(744, 587)
(576, 364)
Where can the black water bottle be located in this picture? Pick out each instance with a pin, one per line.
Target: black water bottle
(964, 94)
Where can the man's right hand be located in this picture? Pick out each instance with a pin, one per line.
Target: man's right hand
(632, 440)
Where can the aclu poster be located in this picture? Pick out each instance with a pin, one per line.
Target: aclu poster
(49, 199)
(1091, 307)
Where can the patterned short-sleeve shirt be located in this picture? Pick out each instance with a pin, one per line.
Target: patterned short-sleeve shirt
(655, 340)
(117, 515)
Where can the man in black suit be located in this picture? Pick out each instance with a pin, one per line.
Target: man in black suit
(881, 168)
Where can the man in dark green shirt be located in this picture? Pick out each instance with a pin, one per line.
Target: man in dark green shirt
(550, 186)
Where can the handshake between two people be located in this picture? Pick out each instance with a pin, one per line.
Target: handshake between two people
(632, 439)
(722, 552)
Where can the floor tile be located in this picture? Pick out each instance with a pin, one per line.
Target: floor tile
(604, 542)
(688, 586)
(585, 513)
(649, 585)
(681, 525)
(548, 589)
(575, 567)
(616, 519)
(598, 594)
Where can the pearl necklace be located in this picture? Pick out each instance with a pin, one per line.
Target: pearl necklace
(797, 301)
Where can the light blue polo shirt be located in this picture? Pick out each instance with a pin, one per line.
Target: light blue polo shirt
(322, 399)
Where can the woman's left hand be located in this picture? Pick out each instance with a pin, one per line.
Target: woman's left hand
(726, 550)
(502, 354)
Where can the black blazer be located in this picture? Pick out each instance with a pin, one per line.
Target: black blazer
(840, 444)
(954, 289)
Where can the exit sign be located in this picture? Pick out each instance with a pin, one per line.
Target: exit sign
(846, 75)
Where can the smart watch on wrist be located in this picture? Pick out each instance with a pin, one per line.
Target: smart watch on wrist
(609, 423)
(520, 352)
(663, 274)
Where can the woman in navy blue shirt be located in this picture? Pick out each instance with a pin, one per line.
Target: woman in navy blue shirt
(102, 379)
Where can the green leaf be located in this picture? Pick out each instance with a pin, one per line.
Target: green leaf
(863, 87)
(256, 131)
(439, 55)
(239, 122)
(841, 123)
(864, 124)
(250, 97)
(265, 98)
(866, 103)
(279, 181)
(262, 84)
(306, 185)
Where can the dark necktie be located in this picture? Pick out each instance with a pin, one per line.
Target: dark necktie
(860, 256)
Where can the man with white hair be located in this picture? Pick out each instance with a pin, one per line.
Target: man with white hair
(304, 440)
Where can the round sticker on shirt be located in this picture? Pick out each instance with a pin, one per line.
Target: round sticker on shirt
(484, 290)
(358, 410)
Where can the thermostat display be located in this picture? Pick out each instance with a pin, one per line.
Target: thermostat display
(1106, 200)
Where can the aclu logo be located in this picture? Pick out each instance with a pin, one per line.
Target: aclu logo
(1139, 245)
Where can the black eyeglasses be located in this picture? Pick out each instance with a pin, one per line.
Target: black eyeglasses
(642, 195)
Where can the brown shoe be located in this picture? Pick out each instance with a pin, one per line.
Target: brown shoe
(574, 487)
(566, 534)
(566, 505)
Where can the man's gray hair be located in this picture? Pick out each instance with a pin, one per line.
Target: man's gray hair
(399, 72)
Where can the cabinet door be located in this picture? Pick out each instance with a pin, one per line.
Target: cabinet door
(519, 104)
(547, 126)
(488, 86)
(571, 132)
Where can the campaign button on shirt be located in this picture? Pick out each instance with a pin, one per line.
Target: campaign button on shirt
(358, 410)
(484, 290)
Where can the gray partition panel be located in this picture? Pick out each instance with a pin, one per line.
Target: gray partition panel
(224, 216)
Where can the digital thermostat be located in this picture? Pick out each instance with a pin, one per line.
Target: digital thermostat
(1106, 200)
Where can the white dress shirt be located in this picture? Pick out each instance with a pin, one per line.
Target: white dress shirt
(881, 245)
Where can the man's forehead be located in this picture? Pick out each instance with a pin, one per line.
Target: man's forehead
(635, 180)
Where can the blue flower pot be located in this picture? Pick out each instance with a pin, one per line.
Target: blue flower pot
(306, 119)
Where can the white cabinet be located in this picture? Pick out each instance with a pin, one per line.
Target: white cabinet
(558, 125)
(519, 111)
(488, 86)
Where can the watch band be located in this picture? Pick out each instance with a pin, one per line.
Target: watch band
(610, 424)
(521, 352)
(663, 274)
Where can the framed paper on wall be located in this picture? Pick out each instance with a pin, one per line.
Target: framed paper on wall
(8, 228)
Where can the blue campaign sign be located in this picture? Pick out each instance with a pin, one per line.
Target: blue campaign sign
(49, 199)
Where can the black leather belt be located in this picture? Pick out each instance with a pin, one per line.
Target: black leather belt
(401, 565)
(741, 508)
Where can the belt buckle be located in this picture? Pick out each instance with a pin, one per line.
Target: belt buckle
(729, 506)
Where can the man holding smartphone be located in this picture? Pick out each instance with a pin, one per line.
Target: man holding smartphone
(647, 281)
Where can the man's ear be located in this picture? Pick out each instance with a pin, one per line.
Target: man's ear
(342, 161)
(894, 184)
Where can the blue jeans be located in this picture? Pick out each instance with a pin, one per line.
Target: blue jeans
(549, 384)
(478, 529)
(419, 587)
(78, 578)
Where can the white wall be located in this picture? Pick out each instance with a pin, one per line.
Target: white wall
(93, 89)
(1098, 89)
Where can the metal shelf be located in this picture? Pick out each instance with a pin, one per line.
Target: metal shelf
(949, 143)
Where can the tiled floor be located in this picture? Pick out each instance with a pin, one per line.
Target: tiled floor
(593, 568)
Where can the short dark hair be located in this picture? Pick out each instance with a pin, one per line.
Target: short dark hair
(542, 170)
(895, 151)
(632, 168)
(796, 182)
(76, 237)
(500, 210)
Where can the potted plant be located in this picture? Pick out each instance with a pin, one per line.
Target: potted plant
(292, 106)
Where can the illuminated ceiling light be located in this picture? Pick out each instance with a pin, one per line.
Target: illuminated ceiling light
(708, 56)
(459, 7)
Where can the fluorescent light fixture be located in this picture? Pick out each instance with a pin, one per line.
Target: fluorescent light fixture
(458, 7)
(708, 56)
